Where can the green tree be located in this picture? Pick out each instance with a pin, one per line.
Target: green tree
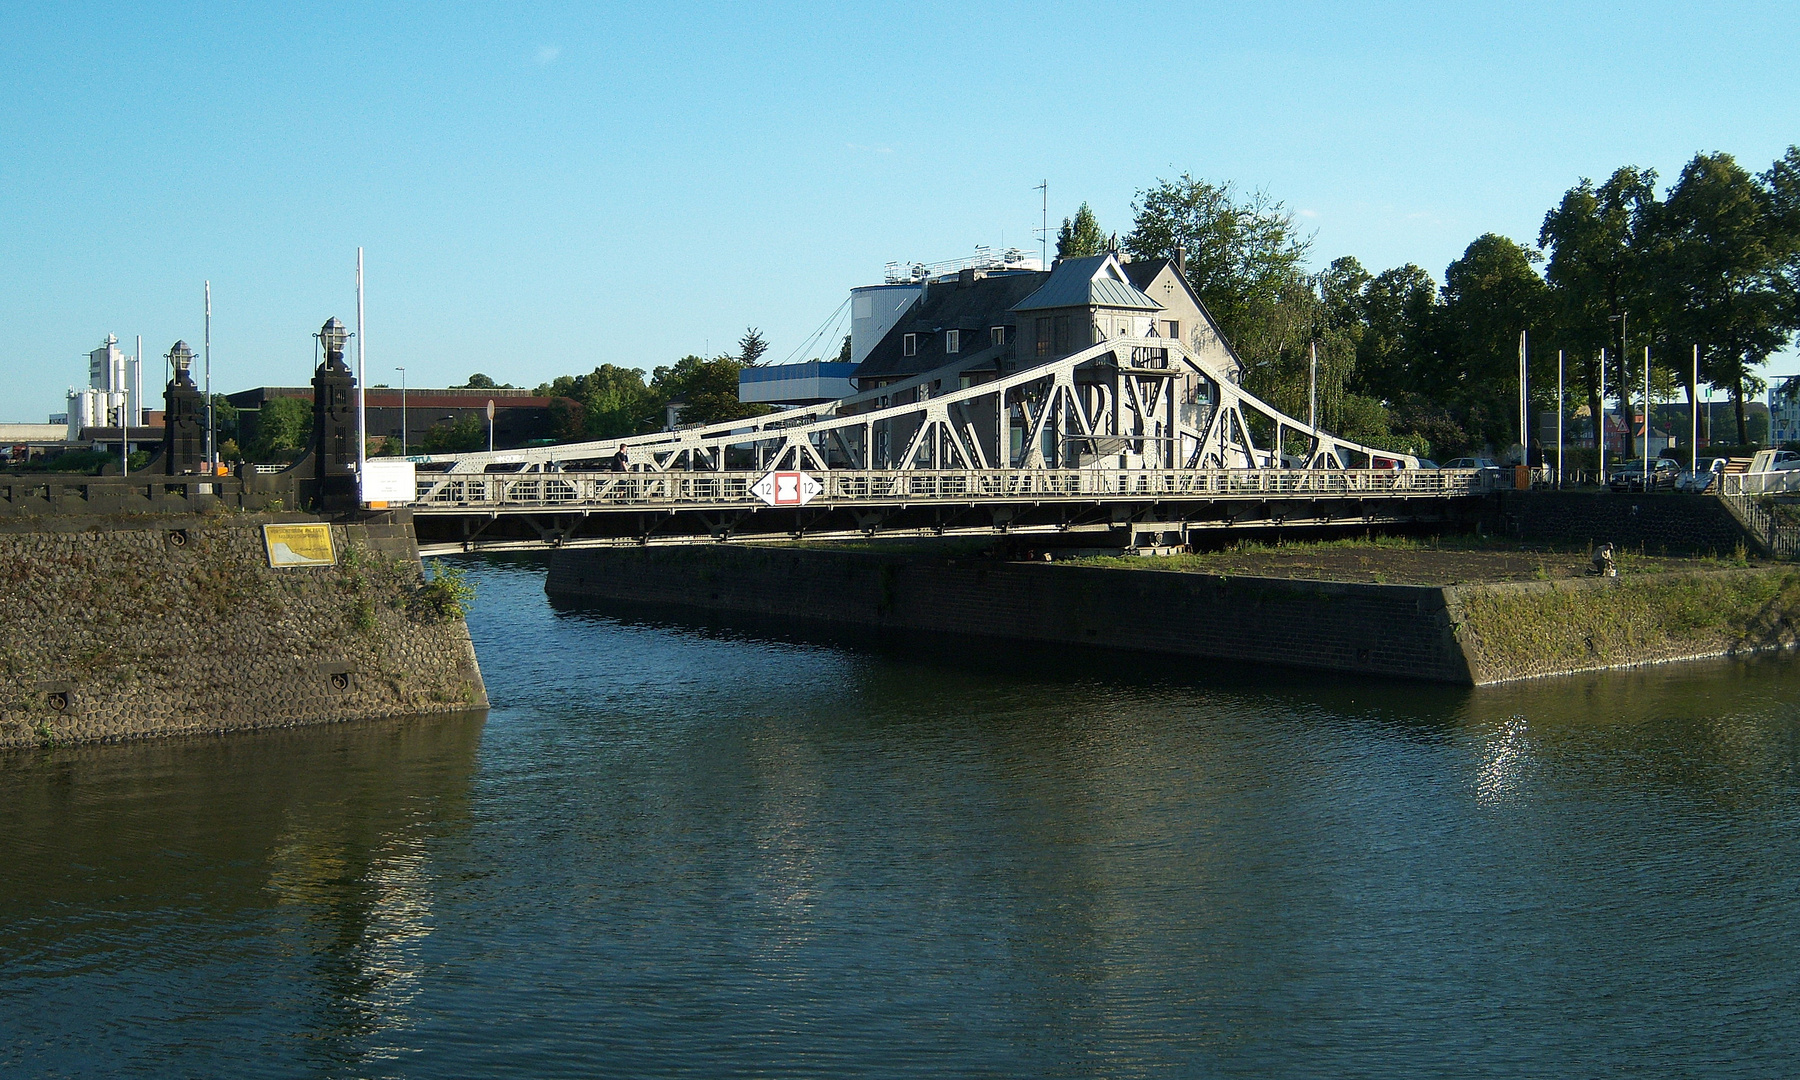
(1399, 309)
(1080, 236)
(1490, 295)
(616, 403)
(1597, 274)
(225, 418)
(478, 381)
(707, 389)
(1243, 256)
(1728, 257)
(464, 434)
(283, 429)
(751, 347)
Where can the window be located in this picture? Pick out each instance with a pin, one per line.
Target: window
(1172, 329)
(1059, 337)
(909, 345)
(1043, 336)
(953, 341)
(997, 335)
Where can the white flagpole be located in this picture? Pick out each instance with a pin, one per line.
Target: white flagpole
(211, 463)
(1694, 416)
(362, 433)
(1559, 417)
(1600, 421)
(1646, 418)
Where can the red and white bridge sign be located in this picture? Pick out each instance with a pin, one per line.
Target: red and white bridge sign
(786, 488)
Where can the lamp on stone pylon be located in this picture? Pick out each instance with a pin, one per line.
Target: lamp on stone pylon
(333, 336)
(181, 359)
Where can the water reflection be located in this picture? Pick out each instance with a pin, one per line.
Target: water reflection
(266, 890)
(681, 850)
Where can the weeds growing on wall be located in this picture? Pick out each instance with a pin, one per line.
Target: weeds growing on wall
(445, 594)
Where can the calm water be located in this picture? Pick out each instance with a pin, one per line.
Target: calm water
(684, 852)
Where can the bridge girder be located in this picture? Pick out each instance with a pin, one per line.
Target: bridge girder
(1128, 402)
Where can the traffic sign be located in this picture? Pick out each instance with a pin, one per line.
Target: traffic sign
(786, 489)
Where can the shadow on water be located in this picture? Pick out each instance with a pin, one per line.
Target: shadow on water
(279, 878)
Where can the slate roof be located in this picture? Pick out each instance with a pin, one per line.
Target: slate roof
(1079, 283)
(974, 308)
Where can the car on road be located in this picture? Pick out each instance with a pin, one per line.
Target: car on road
(1629, 475)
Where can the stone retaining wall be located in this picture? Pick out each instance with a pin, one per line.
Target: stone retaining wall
(1460, 634)
(1661, 522)
(134, 626)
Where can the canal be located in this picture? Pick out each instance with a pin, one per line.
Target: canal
(675, 851)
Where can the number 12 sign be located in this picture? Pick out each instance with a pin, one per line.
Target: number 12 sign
(786, 489)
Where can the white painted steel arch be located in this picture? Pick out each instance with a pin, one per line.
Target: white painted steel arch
(1144, 403)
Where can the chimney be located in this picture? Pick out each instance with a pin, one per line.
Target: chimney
(965, 278)
(1181, 258)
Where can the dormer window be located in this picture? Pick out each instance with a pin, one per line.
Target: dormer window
(909, 345)
(997, 335)
(953, 341)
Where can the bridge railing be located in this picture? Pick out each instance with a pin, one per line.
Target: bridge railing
(610, 490)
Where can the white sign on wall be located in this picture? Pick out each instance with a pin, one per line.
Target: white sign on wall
(786, 489)
(393, 482)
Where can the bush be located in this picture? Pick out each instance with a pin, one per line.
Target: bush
(446, 594)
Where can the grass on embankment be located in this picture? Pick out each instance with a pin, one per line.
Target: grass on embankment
(1520, 630)
(1399, 560)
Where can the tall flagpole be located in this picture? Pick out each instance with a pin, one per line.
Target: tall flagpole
(1600, 421)
(211, 463)
(1524, 408)
(1559, 417)
(1646, 418)
(1694, 416)
(362, 430)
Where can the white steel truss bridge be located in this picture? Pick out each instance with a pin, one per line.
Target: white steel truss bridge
(1135, 434)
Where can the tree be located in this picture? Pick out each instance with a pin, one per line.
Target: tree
(283, 428)
(1728, 256)
(1243, 258)
(466, 433)
(751, 347)
(616, 403)
(1081, 236)
(707, 389)
(478, 381)
(844, 354)
(1396, 350)
(1598, 274)
(1490, 295)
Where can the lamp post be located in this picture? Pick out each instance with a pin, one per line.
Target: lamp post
(402, 372)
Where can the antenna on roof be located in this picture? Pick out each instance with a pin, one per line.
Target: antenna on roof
(1044, 231)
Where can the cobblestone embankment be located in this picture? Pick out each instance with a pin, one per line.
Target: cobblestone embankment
(154, 625)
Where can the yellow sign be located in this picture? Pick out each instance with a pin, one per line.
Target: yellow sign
(299, 545)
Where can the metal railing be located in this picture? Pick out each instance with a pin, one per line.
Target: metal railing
(457, 492)
(1782, 481)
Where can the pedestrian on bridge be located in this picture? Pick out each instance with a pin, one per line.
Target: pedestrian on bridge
(621, 461)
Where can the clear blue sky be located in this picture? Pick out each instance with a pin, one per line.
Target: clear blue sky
(543, 188)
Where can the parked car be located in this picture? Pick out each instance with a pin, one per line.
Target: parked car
(1705, 476)
(1629, 475)
(1486, 464)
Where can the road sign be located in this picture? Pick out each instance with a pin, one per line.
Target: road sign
(786, 489)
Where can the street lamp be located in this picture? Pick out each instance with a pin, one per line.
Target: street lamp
(402, 372)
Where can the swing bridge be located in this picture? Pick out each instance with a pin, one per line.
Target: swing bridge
(1137, 438)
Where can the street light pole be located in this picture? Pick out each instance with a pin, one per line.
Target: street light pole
(402, 371)
(1559, 418)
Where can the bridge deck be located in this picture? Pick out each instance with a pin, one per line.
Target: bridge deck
(499, 511)
(458, 493)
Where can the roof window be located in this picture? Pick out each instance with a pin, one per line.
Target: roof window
(953, 341)
(909, 345)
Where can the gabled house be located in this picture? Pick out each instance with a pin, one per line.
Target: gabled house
(977, 326)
